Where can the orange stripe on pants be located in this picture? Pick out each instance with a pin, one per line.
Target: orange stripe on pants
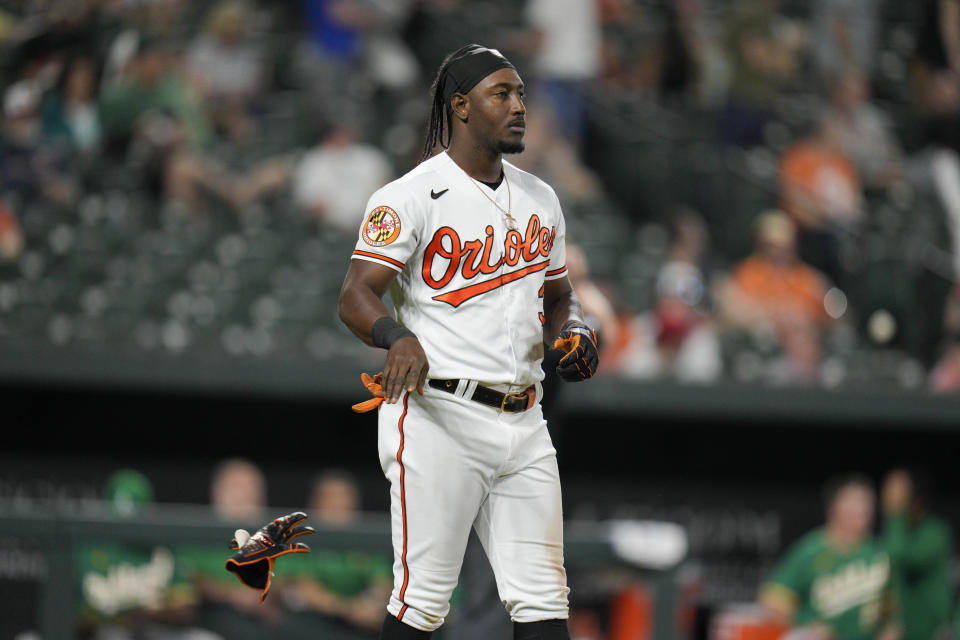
(403, 510)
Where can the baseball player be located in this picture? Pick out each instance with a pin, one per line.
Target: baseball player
(835, 581)
(472, 251)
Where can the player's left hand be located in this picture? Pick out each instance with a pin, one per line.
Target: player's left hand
(405, 369)
(253, 562)
(580, 343)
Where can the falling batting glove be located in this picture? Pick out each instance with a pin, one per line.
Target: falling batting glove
(375, 386)
(253, 562)
(579, 342)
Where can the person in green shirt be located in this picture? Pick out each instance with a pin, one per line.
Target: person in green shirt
(835, 583)
(920, 548)
(342, 592)
(152, 82)
(126, 590)
(238, 497)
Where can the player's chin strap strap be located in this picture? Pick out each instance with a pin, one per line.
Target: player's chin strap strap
(541, 630)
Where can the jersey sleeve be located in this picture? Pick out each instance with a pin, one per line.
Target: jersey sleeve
(926, 547)
(790, 580)
(391, 226)
(558, 249)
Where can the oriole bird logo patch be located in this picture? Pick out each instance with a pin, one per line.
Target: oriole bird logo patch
(382, 227)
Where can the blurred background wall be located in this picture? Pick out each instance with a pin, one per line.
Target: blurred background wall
(763, 207)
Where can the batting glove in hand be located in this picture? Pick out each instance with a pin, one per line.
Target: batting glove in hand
(375, 386)
(579, 342)
(253, 562)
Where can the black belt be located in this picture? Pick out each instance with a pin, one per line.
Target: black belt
(507, 402)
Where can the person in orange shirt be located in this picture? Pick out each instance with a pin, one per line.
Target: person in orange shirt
(774, 292)
(822, 192)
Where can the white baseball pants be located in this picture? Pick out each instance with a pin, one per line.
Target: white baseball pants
(454, 463)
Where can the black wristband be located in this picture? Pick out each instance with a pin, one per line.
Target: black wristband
(386, 331)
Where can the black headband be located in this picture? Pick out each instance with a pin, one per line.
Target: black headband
(465, 71)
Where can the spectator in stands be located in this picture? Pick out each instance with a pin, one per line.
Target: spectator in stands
(335, 498)
(363, 38)
(28, 168)
(937, 85)
(11, 235)
(836, 581)
(341, 593)
(327, 181)
(189, 181)
(945, 377)
(163, 604)
(238, 497)
(238, 490)
(677, 338)
(128, 492)
(151, 82)
(844, 35)
(331, 180)
(567, 58)
(774, 294)
(71, 113)
(864, 131)
(820, 189)
(764, 50)
(228, 69)
(183, 177)
(335, 27)
(155, 123)
(920, 547)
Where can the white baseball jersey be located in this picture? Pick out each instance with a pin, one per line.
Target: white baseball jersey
(469, 288)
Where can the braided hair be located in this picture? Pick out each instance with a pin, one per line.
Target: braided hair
(440, 127)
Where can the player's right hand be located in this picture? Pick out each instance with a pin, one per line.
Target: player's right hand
(406, 369)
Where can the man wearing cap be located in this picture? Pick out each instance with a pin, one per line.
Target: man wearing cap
(472, 250)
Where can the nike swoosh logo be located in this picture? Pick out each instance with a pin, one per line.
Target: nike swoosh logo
(437, 194)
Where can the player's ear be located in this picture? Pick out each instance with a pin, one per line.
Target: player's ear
(461, 106)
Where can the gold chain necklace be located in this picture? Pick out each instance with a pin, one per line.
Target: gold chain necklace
(510, 221)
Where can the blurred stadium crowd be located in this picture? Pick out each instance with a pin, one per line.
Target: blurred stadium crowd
(766, 191)
(761, 190)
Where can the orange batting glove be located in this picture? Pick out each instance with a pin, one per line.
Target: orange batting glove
(374, 386)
